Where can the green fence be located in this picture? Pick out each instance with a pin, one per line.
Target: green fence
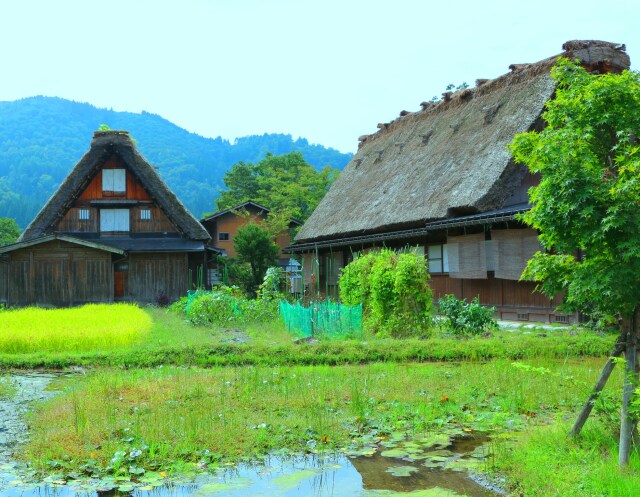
(326, 318)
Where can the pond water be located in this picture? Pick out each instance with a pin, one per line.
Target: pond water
(432, 465)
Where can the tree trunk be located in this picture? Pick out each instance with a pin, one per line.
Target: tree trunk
(602, 381)
(627, 423)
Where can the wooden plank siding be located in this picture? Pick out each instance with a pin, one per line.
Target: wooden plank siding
(153, 274)
(4, 280)
(59, 274)
(511, 298)
(134, 189)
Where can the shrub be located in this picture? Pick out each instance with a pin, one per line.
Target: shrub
(393, 289)
(225, 305)
(467, 318)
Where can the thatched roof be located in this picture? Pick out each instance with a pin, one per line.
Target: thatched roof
(448, 159)
(104, 145)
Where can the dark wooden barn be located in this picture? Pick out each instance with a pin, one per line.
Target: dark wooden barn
(442, 180)
(113, 231)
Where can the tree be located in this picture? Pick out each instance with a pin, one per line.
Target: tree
(284, 183)
(254, 245)
(586, 206)
(9, 231)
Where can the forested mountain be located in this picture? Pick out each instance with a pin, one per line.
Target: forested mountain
(42, 138)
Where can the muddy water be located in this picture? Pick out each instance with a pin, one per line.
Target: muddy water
(331, 475)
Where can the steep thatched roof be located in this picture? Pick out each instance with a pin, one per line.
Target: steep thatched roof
(448, 159)
(104, 145)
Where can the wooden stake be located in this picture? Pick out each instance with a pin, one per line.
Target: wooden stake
(626, 423)
(602, 381)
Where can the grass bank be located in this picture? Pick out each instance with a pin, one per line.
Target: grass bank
(172, 341)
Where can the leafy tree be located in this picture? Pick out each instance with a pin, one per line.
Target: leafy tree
(254, 245)
(9, 231)
(586, 206)
(284, 183)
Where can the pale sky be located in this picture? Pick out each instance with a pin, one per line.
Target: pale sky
(327, 70)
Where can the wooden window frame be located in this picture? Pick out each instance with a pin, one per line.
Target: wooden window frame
(84, 214)
(145, 214)
(443, 259)
(224, 236)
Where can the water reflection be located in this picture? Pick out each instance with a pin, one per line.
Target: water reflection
(313, 475)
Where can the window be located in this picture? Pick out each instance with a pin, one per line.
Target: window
(84, 214)
(223, 237)
(114, 220)
(438, 257)
(145, 214)
(114, 180)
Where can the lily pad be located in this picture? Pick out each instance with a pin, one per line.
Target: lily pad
(395, 453)
(293, 480)
(464, 464)
(220, 487)
(401, 470)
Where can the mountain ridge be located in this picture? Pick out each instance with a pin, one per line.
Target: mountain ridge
(42, 138)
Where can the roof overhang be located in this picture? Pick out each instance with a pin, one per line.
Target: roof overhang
(497, 216)
(63, 238)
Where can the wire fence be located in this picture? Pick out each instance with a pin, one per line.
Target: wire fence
(323, 318)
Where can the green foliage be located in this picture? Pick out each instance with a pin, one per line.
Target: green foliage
(43, 137)
(286, 184)
(467, 318)
(254, 245)
(270, 286)
(225, 305)
(9, 231)
(588, 157)
(393, 289)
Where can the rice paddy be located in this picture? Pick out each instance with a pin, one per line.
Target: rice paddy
(86, 328)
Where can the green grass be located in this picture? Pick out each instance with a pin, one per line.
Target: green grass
(239, 412)
(587, 466)
(172, 340)
(79, 329)
(7, 389)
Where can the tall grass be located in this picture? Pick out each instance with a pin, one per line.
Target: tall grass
(177, 414)
(87, 328)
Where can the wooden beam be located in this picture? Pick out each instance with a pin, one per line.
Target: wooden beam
(602, 381)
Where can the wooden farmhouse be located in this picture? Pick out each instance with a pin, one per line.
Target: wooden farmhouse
(441, 180)
(113, 231)
(223, 227)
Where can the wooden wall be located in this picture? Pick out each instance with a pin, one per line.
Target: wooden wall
(4, 275)
(153, 274)
(93, 191)
(230, 223)
(59, 274)
(512, 299)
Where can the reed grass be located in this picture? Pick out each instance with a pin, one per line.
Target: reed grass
(79, 329)
(175, 415)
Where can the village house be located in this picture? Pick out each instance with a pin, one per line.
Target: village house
(223, 226)
(441, 181)
(112, 231)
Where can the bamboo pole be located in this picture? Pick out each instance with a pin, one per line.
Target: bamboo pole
(602, 381)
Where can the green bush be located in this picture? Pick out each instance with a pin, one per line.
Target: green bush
(225, 305)
(467, 318)
(393, 290)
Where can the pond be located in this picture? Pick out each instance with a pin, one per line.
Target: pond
(432, 465)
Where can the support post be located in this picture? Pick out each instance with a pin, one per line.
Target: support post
(626, 422)
(602, 381)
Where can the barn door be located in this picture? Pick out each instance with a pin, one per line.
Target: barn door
(120, 280)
